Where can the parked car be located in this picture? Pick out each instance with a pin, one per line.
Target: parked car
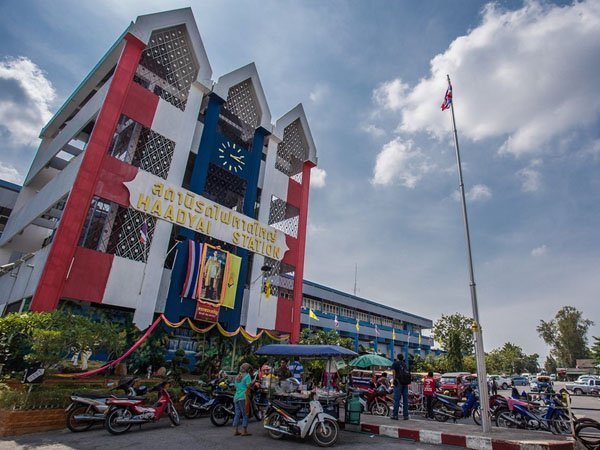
(585, 378)
(541, 383)
(501, 381)
(587, 387)
(520, 381)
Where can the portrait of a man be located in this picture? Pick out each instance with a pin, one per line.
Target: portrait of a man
(213, 272)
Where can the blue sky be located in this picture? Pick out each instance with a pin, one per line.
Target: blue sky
(371, 75)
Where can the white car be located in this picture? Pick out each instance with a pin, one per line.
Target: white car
(501, 381)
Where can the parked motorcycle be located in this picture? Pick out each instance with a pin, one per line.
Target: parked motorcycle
(282, 420)
(527, 415)
(88, 408)
(375, 400)
(446, 407)
(123, 413)
(221, 407)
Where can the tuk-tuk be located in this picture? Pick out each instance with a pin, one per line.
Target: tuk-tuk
(453, 383)
(542, 383)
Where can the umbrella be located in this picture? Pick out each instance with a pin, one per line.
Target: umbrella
(370, 359)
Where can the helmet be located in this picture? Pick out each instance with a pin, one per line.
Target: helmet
(223, 385)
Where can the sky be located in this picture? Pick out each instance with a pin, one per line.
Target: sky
(385, 196)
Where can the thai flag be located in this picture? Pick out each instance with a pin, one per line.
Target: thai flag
(144, 232)
(190, 285)
(447, 98)
(335, 321)
(377, 333)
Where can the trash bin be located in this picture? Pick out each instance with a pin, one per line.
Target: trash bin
(353, 409)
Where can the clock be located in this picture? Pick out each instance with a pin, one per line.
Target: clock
(232, 157)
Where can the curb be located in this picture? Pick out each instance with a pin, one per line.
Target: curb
(465, 441)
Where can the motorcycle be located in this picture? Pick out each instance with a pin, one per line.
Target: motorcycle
(221, 406)
(527, 415)
(446, 407)
(282, 420)
(375, 401)
(123, 413)
(86, 409)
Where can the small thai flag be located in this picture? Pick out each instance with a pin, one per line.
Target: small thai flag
(377, 333)
(447, 98)
(335, 321)
(144, 232)
(192, 278)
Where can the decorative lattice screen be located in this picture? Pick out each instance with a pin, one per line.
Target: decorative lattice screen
(242, 102)
(125, 237)
(225, 188)
(292, 151)
(140, 146)
(284, 217)
(167, 66)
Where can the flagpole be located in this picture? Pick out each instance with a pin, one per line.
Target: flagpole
(145, 257)
(477, 334)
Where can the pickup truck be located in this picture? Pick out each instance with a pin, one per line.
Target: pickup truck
(579, 388)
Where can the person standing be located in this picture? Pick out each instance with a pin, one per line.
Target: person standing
(401, 381)
(428, 391)
(242, 381)
(494, 387)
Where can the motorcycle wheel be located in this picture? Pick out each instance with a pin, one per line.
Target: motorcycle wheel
(188, 409)
(77, 426)
(477, 416)
(439, 412)
(559, 424)
(173, 415)
(111, 424)
(274, 421)
(380, 409)
(326, 433)
(505, 419)
(259, 412)
(587, 432)
(219, 416)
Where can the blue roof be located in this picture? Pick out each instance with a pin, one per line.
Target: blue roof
(299, 350)
(10, 186)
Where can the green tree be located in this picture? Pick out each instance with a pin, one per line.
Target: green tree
(550, 364)
(510, 358)
(595, 350)
(566, 334)
(455, 334)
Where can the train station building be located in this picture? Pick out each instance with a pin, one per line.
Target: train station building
(157, 189)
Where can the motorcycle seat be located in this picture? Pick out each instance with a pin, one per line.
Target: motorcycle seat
(287, 407)
(91, 394)
(448, 397)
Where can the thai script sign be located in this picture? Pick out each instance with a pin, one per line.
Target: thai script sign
(154, 196)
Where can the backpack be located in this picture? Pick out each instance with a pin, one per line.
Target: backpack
(404, 376)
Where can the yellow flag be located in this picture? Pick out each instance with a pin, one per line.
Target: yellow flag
(268, 289)
(357, 325)
(232, 274)
(393, 334)
(312, 315)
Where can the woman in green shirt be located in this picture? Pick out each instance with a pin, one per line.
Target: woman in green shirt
(242, 381)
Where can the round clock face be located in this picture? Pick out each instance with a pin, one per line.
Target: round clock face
(232, 156)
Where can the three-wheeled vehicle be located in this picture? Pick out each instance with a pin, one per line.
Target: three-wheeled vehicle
(542, 383)
(453, 383)
(304, 417)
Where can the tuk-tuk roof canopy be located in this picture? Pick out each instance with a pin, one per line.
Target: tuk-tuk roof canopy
(305, 351)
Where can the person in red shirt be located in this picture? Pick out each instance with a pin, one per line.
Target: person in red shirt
(428, 391)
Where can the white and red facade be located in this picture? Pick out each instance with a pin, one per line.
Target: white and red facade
(150, 105)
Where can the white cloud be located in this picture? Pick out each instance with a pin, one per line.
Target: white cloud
(531, 179)
(510, 77)
(317, 178)
(390, 94)
(478, 193)
(10, 173)
(373, 130)
(539, 251)
(25, 99)
(399, 161)
(319, 93)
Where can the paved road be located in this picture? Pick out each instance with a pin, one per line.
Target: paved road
(194, 434)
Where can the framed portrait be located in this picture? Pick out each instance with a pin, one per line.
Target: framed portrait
(212, 274)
